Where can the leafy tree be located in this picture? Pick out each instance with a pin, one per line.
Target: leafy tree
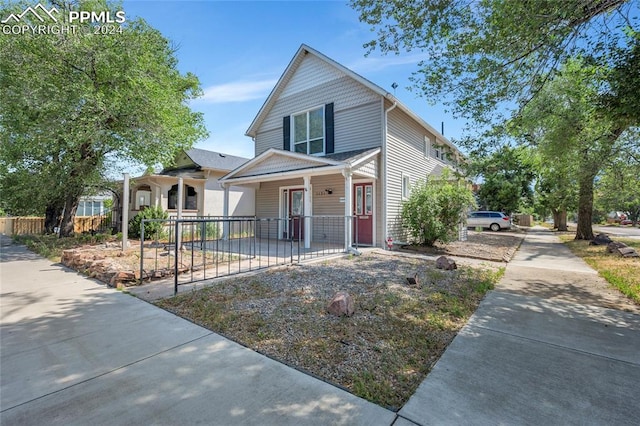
(556, 188)
(434, 209)
(491, 52)
(566, 121)
(75, 104)
(507, 178)
(618, 189)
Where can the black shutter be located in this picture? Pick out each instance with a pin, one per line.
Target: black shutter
(286, 133)
(328, 128)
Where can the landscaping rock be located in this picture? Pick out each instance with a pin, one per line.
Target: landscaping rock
(613, 246)
(341, 304)
(628, 252)
(601, 240)
(121, 278)
(413, 281)
(446, 263)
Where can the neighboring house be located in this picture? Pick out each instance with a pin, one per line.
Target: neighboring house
(93, 205)
(199, 171)
(330, 142)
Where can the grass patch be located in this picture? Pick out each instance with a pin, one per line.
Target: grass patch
(622, 273)
(382, 353)
(51, 246)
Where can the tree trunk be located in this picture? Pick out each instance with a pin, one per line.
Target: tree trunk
(562, 220)
(556, 218)
(52, 217)
(70, 207)
(585, 206)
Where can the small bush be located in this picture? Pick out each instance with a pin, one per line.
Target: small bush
(435, 208)
(151, 229)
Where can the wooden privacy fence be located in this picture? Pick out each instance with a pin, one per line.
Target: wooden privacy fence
(21, 225)
(35, 225)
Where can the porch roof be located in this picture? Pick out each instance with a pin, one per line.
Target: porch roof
(276, 164)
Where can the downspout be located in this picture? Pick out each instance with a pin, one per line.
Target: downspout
(385, 228)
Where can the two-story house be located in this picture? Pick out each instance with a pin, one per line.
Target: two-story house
(328, 142)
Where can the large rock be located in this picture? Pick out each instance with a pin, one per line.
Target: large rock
(601, 240)
(122, 277)
(628, 252)
(613, 246)
(341, 304)
(446, 263)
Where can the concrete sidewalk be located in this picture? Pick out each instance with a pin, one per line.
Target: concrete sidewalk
(543, 348)
(76, 352)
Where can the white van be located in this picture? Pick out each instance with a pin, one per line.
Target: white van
(492, 220)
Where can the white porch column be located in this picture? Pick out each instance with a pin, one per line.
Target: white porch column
(225, 211)
(125, 211)
(180, 197)
(180, 202)
(307, 211)
(348, 189)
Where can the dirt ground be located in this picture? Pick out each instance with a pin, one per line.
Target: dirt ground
(493, 246)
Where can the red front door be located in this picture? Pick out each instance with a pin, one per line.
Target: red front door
(296, 213)
(363, 211)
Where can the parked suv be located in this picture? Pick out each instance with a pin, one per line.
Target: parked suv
(492, 220)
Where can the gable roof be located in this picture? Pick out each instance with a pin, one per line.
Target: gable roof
(198, 159)
(215, 160)
(304, 50)
(278, 163)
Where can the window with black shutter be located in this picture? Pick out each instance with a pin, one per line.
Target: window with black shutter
(310, 132)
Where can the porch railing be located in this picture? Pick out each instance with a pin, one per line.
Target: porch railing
(194, 249)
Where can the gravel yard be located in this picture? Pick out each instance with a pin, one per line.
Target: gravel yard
(493, 246)
(381, 353)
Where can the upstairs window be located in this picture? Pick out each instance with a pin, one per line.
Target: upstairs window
(308, 132)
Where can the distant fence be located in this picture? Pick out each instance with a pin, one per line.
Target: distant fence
(19, 225)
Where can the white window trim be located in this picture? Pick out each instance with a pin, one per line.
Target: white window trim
(402, 186)
(292, 144)
(427, 146)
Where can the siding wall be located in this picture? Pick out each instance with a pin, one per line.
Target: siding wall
(328, 230)
(369, 169)
(357, 115)
(406, 154)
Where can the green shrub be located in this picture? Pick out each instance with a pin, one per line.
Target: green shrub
(434, 209)
(151, 229)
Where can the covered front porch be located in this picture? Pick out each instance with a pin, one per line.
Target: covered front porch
(307, 192)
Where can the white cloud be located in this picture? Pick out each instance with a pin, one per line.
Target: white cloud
(237, 91)
(371, 64)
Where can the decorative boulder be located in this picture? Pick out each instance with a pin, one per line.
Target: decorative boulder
(613, 246)
(446, 263)
(341, 304)
(601, 240)
(628, 252)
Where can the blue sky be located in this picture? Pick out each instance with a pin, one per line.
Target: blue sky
(239, 49)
